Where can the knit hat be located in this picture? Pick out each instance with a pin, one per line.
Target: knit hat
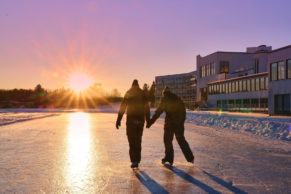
(135, 83)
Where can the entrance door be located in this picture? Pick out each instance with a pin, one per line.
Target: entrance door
(282, 104)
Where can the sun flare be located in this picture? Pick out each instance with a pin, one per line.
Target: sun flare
(79, 81)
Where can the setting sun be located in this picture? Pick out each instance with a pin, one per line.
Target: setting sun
(79, 81)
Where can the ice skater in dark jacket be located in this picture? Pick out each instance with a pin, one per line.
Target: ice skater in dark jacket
(138, 111)
(175, 111)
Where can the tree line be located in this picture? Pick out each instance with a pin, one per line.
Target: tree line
(40, 97)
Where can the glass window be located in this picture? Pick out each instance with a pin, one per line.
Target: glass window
(278, 103)
(231, 103)
(255, 103)
(263, 102)
(246, 103)
(218, 103)
(226, 88)
(212, 69)
(233, 86)
(286, 107)
(274, 71)
(238, 103)
(224, 67)
(289, 69)
(229, 87)
(207, 70)
(281, 70)
(224, 103)
(240, 86)
(248, 85)
(257, 84)
(215, 89)
(236, 86)
(252, 84)
(262, 83)
(267, 83)
(244, 85)
(223, 88)
(220, 88)
(256, 66)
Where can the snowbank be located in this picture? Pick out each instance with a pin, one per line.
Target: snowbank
(10, 117)
(275, 127)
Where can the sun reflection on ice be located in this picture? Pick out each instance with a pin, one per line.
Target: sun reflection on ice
(79, 147)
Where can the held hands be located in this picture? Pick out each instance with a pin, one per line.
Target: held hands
(149, 124)
(117, 124)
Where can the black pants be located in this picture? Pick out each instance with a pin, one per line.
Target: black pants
(134, 136)
(178, 130)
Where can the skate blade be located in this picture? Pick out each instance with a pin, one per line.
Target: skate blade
(167, 165)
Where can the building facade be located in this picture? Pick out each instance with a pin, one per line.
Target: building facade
(183, 85)
(279, 68)
(244, 93)
(256, 80)
(224, 67)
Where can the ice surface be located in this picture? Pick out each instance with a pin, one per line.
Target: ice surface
(84, 153)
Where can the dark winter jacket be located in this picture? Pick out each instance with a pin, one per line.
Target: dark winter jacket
(173, 107)
(137, 107)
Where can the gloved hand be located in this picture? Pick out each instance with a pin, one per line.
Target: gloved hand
(117, 124)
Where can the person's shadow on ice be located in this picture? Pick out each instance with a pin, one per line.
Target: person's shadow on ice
(149, 183)
(191, 179)
(201, 185)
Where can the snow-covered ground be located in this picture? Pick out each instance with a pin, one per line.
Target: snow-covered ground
(259, 124)
(278, 127)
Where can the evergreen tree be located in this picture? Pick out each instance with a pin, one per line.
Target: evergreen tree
(152, 94)
(146, 91)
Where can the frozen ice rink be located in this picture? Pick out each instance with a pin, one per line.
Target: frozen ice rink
(84, 153)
